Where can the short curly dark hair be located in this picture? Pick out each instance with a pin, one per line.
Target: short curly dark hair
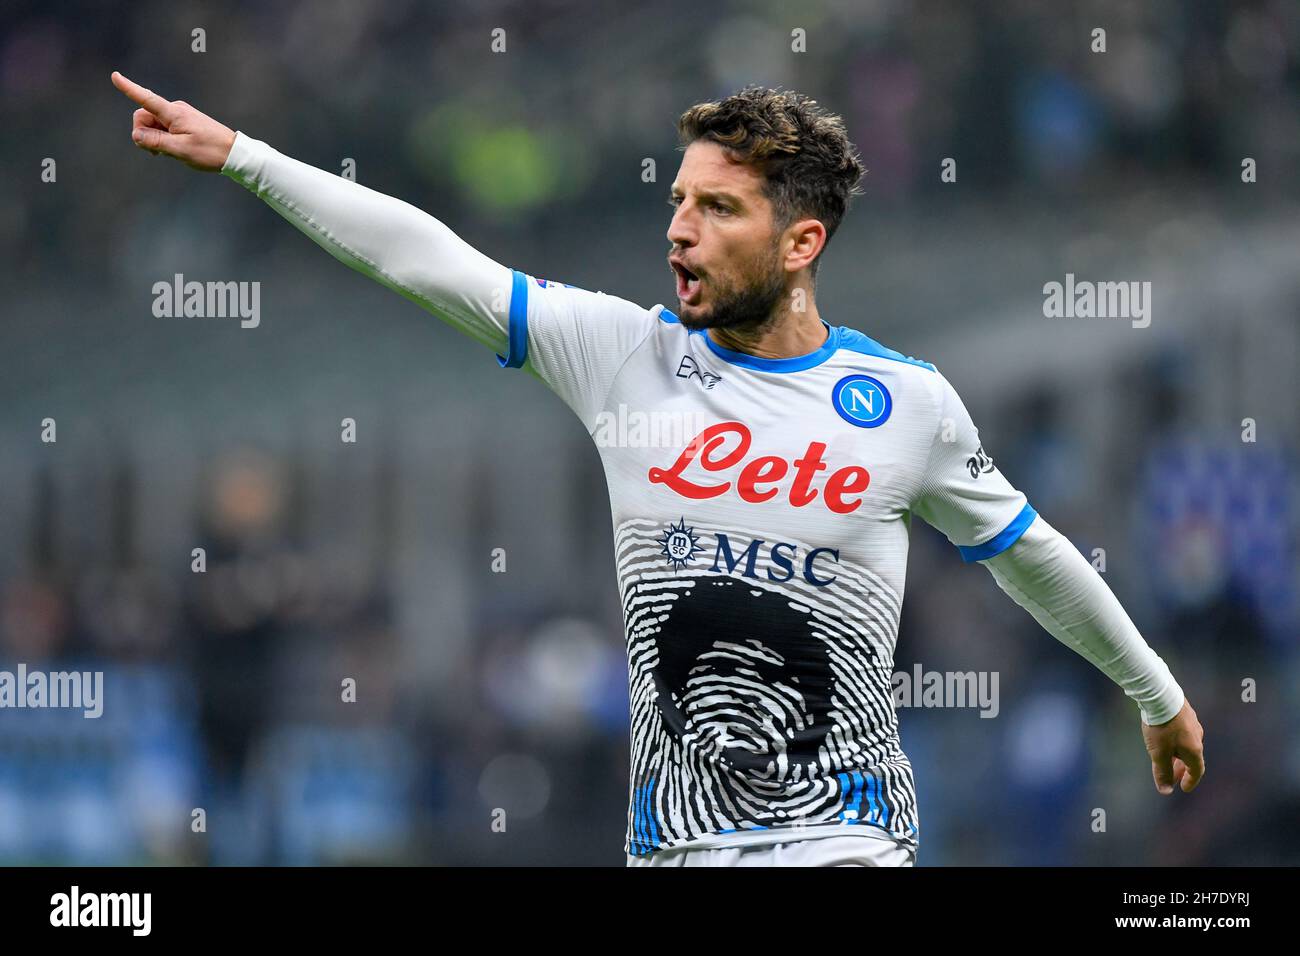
(810, 166)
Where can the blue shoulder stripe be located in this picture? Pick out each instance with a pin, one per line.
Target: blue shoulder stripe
(855, 341)
(517, 349)
(1003, 539)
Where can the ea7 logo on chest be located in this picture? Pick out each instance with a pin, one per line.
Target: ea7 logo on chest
(841, 493)
(691, 369)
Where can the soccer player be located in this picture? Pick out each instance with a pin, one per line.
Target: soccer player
(761, 551)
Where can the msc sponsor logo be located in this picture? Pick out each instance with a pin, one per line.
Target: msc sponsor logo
(862, 400)
(704, 471)
(781, 556)
(680, 544)
(779, 561)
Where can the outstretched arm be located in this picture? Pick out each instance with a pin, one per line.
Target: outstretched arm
(964, 495)
(1047, 576)
(388, 240)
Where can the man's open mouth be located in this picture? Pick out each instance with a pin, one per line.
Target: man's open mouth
(688, 283)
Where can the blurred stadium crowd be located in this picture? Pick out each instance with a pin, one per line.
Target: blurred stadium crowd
(481, 690)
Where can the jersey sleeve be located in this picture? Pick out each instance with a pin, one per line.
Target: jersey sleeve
(574, 340)
(961, 492)
(387, 240)
(1047, 576)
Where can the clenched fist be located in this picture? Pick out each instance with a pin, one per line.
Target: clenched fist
(176, 129)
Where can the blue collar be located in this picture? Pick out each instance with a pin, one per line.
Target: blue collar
(795, 363)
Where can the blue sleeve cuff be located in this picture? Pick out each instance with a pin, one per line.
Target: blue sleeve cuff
(1003, 539)
(517, 347)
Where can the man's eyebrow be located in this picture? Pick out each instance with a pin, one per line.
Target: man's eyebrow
(707, 193)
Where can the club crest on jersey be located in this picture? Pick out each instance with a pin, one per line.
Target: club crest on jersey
(862, 400)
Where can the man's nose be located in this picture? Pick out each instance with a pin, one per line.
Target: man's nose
(680, 231)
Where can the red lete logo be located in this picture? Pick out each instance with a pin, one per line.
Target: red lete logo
(769, 470)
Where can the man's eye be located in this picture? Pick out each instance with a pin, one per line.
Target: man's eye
(718, 207)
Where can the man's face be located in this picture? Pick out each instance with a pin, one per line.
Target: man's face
(726, 254)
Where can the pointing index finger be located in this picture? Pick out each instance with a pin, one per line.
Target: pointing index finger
(155, 104)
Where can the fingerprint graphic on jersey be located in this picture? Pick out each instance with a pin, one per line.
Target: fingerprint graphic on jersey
(755, 690)
(757, 703)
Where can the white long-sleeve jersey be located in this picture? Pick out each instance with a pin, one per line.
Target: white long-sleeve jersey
(761, 510)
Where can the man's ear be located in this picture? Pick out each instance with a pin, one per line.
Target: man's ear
(807, 239)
